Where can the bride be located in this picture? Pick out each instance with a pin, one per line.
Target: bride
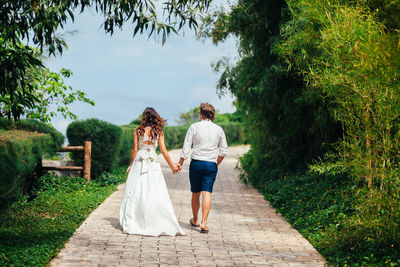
(146, 208)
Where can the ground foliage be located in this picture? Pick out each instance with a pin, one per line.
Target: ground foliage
(34, 228)
(326, 210)
(319, 84)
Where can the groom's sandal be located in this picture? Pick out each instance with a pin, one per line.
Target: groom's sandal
(204, 230)
(192, 224)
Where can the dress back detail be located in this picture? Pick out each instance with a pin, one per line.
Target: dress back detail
(147, 143)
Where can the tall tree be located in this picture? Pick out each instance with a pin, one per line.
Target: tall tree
(38, 21)
(288, 127)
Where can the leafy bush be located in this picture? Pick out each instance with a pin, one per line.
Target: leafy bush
(115, 177)
(126, 143)
(34, 126)
(345, 222)
(41, 127)
(22, 146)
(351, 60)
(174, 136)
(4, 123)
(19, 152)
(105, 139)
(236, 133)
(33, 230)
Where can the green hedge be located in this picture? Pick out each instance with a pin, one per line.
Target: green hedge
(105, 139)
(174, 137)
(4, 123)
(19, 154)
(35, 126)
(21, 147)
(126, 143)
(236, 133)
(41, 127)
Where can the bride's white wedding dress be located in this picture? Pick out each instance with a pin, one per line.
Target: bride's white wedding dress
(146, 207)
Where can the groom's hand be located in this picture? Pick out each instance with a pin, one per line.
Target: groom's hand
(179, 167)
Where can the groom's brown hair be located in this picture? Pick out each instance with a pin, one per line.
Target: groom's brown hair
(207, 111)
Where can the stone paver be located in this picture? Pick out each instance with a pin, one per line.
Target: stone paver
(244, 230)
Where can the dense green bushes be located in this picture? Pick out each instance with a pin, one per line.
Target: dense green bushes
(351, 60)
(41, 127)
(5, 123)
(20, 151)
(236, 133)
(175, 135)
(319, 84)
(326, 210)
(105, 139)
(34, 126)
(126, 143)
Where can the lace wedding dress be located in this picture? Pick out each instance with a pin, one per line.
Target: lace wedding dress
(146, 207)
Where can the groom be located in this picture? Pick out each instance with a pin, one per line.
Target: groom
(209, 149)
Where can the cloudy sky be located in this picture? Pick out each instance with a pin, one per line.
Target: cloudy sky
(123, 75)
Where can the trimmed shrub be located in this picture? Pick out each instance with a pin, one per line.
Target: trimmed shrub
(22, 145)
(5, 123)
(174, 136)
(105, 139)
(19, 153)
(126, 143)
(41, 127)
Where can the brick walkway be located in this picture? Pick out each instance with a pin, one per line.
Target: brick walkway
(244, 231)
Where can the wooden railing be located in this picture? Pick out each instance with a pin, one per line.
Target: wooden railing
(85, 169)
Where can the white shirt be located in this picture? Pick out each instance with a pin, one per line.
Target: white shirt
(208, 140)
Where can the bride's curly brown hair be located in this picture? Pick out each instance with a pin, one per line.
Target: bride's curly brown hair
(151, 118)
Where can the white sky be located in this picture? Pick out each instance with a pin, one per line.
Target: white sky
(123, 75)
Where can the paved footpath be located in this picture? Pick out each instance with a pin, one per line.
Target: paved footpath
(244, 230)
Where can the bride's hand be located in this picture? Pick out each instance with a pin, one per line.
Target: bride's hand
(127, 170)
(174, 169)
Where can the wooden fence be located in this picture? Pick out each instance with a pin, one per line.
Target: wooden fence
(85, 169)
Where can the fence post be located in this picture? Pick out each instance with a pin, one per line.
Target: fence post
(88, 155)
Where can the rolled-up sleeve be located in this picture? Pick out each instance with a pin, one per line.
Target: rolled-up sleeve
(187, 144)
(223, 145)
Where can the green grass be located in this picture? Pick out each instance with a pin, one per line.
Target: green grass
(32, 232)
(337, 217)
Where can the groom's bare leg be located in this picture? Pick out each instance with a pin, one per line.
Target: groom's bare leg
(195, 207)
(205, 207)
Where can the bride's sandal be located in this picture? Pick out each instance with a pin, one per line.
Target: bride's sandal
(192, 224)
(204, 230)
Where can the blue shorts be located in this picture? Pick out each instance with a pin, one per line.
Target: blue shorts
(202, 175)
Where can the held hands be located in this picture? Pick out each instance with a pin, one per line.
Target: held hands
(179, 166)
(176, 168)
